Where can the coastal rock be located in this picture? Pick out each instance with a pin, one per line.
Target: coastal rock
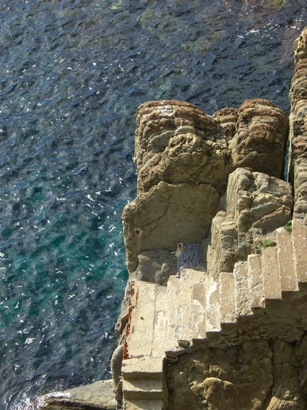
(235, 377)
(255, 205)
(227, 118)
(257, 200)
(223, 244)
(166, 215)
(300, 187)
(155, 266)
(300, 46)
(254, 375)
(286, 392)
(229, 333)
(298, 126)
(98, 395)
(260, 140)
(176, 142)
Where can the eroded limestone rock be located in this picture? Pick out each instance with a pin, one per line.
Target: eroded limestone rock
(300, 46)
(177, 142)
(298, 126)
(255, 205)
(286, 392)
(235, 377)
(260, 140)
(257, 200)
(155, 266)
(166, 215)
(222, 173)
(255, 374)
(227, 118)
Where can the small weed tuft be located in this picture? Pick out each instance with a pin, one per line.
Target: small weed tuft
(265, 244)
(288, 226)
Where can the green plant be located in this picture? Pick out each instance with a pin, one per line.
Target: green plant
(265, 244)
(288, 226)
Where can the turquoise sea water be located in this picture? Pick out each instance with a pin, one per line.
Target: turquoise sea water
(73, 73)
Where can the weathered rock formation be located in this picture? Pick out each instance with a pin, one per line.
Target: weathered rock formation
(255, 205)
(259, 141)
(178, 143)
(184, 158)
(298, 126)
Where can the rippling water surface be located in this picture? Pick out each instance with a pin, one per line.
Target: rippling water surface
(72, 75)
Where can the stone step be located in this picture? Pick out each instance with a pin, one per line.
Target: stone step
(227, 298)
(189, 308)
(199, 318)
(145, 368)
(173, 295)
(212, 307)
(185, 308)
(143, 389)
(241, 289)
(141, 332)
(185, 313)
(271, 277)
(196, 307)
(255, 281)
(144, 405)
(284, 252)
(299, 243)
(143, 383)
(160, 337)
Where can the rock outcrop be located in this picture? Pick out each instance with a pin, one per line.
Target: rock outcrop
(178, 143)
(98, 395)
(255, 205)
(260, 139)
(228, 333)
(298, 126)
(165, 215)
(184, 158)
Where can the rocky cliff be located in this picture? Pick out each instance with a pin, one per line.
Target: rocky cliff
(228, 333)
(214, 314)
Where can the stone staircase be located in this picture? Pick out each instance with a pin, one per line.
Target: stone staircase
(142, 368)
(264, 296)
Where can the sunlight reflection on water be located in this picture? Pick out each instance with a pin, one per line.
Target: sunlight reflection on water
(73, 74)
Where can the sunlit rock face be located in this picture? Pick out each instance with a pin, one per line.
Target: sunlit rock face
(227, 118)
(260, 139)
(255, 205)
(177, 142)
(298, 126)
(166, 215)
(184, 157)
(300, 47)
